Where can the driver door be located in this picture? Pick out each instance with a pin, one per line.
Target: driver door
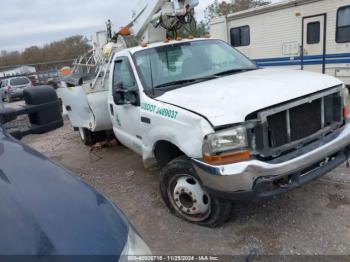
(124, 105)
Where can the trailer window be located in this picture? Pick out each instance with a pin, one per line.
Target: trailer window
(313, 33)
(343, 25)
(240, 36)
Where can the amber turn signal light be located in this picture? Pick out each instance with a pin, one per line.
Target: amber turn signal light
(124, 31)
(227, 158)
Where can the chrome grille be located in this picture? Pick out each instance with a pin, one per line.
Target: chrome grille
(299, 122)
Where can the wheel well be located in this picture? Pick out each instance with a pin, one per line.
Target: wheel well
(165, 152)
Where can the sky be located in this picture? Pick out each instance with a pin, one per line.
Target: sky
(25, 23)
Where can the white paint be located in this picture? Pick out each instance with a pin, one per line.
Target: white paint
(224, 101)
(230, 99)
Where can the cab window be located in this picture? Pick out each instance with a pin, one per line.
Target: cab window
(123, 74)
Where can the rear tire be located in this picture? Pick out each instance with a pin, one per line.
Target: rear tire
(185, 196)
(86, 136)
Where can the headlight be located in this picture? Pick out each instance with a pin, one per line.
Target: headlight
(225, 141)
(135, 246)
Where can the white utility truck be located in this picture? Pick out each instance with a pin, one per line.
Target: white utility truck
(220, 128)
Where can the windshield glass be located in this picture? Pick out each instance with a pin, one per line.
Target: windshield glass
(19, 81)
(161, 66)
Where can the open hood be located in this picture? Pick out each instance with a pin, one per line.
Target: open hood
(230, 99)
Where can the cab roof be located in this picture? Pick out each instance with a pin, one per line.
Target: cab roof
(133, 50)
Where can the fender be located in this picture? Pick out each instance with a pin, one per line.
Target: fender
(162, 128)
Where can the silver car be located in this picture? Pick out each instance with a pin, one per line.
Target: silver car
(12, 88)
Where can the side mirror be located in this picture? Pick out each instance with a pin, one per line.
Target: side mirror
(46, 115)
(43, 109)
(123, 96)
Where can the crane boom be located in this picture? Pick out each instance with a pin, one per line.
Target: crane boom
(153, 18)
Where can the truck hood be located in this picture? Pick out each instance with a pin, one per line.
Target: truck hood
(230, 99)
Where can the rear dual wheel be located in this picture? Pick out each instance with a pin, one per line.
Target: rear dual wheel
(86, 136)
(185, 196)
(90, 138)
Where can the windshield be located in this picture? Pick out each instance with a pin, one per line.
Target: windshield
(19, 81)
(160, 67)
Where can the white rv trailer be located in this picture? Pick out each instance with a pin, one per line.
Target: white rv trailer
(311, 35)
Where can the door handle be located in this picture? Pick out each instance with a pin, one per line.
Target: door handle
(111, 109)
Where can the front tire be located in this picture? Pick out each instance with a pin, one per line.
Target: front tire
(185, 196)
(86, 136)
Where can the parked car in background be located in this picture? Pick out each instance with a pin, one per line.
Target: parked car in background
(12, 88)
(49, 78)
(45, 210)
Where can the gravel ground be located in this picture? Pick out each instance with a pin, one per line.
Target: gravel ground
(310, 220)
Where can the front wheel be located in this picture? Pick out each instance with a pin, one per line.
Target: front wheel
(185, 196)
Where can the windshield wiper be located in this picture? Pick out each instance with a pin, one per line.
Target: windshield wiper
(184, 82)
(234, 71)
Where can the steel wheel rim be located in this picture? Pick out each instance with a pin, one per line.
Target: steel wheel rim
(188, 200)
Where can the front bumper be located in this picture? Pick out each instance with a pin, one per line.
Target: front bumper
(257, 179)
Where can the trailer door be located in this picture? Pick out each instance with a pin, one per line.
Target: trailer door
(313, 55)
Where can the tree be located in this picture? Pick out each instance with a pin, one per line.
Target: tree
(66, 49)
(201, 29)
(221, 8)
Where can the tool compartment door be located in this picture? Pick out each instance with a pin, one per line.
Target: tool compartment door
(79, 111)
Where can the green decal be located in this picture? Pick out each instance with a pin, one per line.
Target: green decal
(160, 110)
(117, 120)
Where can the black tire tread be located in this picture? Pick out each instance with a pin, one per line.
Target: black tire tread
(221, 209)
(89, 140)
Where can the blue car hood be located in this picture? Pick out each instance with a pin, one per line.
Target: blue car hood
(45, 210)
